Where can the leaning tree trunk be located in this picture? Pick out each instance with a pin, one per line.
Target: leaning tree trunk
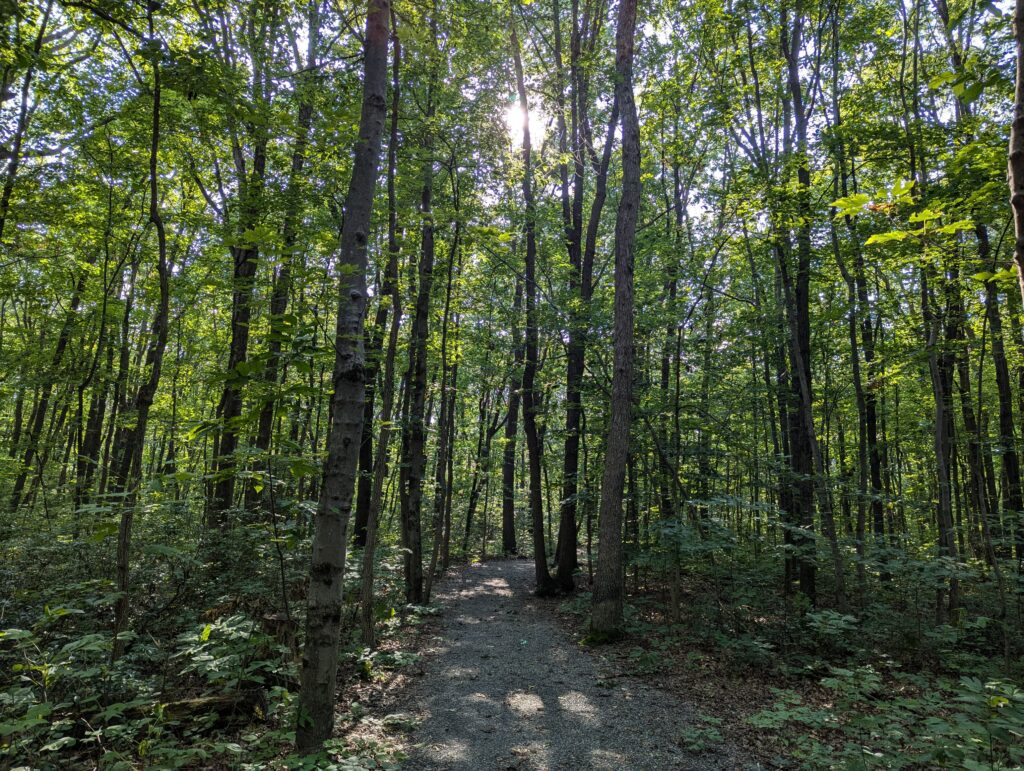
(606, 619)
(324, 603)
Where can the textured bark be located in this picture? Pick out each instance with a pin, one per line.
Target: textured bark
(606, 618)
(375, 335)
(797, 296)
(572, 223)
(324, 603)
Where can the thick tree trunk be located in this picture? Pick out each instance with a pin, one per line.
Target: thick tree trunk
(606, 618)
(324, 604)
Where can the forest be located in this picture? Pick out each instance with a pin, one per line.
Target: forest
(322, 320)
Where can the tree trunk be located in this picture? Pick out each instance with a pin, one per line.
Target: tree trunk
(324, 603)
(445, 419)
(24, 114)
(131, 436)
(606, 619)
(281, 329)
(1016, 155)
(508, 463)
(1013, 504)
(531, 405)
(414, 433)
(380, 464)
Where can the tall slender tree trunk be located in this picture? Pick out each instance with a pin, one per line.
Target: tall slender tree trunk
(941, 381)
(531, 404)
(508, 463)
(1016, 154)
(324, 603)
(446, 417)
(130, 437)
(21, 125)
(245, 254)
(380, 464)
(606, 617)
(1013, 501)
(414, 431)
(572, 220)
(280, 328)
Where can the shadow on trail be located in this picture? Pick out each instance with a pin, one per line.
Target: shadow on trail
(505, 688)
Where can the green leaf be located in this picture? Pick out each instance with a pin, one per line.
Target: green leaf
(941, 79)
(971, 92)
(884, 238)
(956, 227)
(925, 215)
(901, 189)
(851, 204)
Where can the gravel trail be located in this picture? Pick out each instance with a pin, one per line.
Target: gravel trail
(505, 688)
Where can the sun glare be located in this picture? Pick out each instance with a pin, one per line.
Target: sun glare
(515, 122)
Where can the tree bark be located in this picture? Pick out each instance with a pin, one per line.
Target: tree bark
(324, 603)
(606, 618)
(380, 464)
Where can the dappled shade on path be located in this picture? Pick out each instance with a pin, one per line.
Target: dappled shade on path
(505, 688)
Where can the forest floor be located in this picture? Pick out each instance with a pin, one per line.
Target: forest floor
(504, 686)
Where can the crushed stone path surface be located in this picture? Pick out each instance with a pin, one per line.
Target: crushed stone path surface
(505, 688)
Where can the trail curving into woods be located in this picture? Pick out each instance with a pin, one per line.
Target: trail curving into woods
(505, 688)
